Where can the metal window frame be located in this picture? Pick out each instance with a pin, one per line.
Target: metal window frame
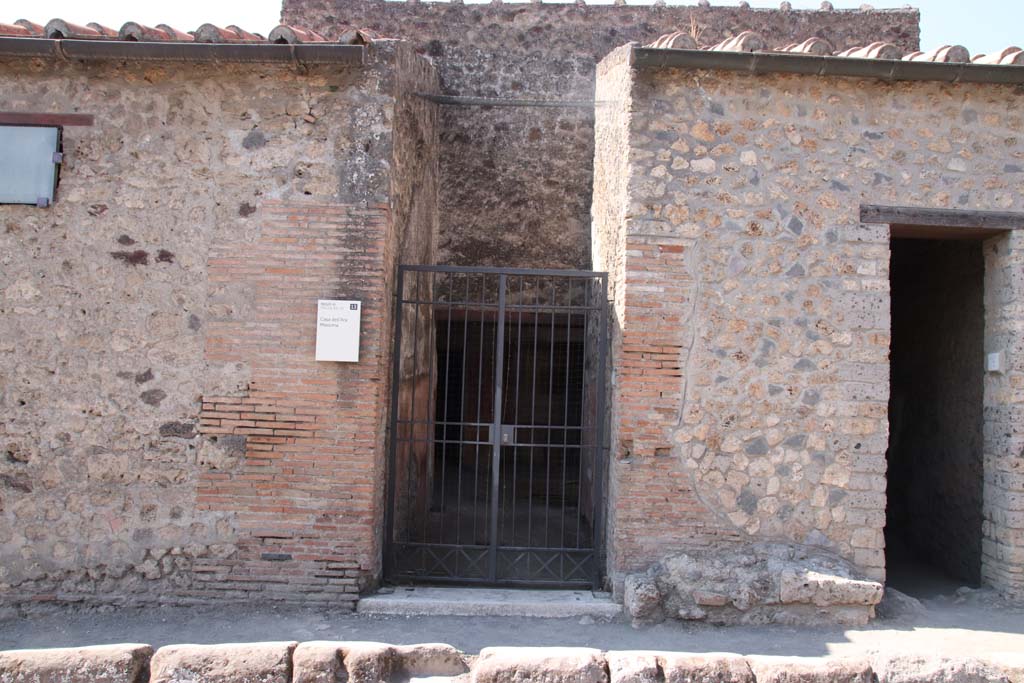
(58, 162)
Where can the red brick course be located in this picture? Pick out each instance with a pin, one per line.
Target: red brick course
(307, 494)
(656, 508)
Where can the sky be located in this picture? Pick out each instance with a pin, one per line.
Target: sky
(979, 25)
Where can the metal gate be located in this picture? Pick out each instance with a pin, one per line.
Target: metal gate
(496, 464)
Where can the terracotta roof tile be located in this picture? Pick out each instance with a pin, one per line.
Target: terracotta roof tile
(36, 29)
(1010, 55)
(58, 28)
(811, 46)
(162, 32)
(876, 50)
(177, 35)
(293, 34)
(15, 30)
(105, 31)
(352, 36)
(678, 41)
(207, 33)
(946, 53)
(748, 41)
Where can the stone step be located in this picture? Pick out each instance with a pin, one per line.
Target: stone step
(469, 602)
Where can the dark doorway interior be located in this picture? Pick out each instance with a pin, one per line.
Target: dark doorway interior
(934, 510)
(542, 414)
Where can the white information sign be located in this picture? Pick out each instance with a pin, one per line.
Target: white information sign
(337, 330)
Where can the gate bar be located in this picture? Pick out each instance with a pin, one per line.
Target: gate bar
(599, 470)
(499, 370)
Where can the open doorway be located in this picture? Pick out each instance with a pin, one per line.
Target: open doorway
(935, 469)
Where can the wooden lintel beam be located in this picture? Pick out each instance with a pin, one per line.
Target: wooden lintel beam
(19, 118)
(942, 218)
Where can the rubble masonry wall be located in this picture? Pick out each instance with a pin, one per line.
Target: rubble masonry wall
(752, 376)
(167, 435)
(516, 182)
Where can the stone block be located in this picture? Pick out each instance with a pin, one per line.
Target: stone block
(810, 670)
(431, 659)
(642, 599)
(126, 663)
(317, 662)
(765, 583)
(715, 667)
(540, 665)
(226, 663)
(369, 662)
(823, 589)
(912, 668)
(633, 667)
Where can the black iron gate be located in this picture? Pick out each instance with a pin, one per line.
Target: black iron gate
(497, 450)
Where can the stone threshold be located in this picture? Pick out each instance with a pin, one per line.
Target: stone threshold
(480, 602)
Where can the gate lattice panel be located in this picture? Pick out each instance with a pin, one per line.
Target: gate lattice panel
(496, 446)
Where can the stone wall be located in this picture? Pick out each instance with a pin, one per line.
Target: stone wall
(167, 434)
(936, 404)
(752, 380)
(1002, 546)
(609, 211)
(516, 182)
(415, 192)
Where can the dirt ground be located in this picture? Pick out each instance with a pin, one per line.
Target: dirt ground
(970, 622)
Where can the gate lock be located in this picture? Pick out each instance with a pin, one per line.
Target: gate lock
(508, 435)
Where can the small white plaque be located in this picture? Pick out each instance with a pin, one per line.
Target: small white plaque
(337, 330)
(994, 362)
